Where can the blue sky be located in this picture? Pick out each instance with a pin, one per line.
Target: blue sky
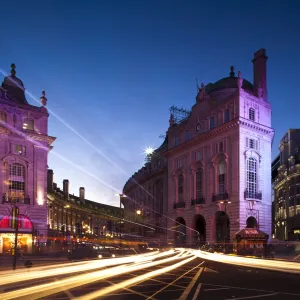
(112, 69)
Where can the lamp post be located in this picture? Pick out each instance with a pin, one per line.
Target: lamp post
(15, 225)
(120, 224)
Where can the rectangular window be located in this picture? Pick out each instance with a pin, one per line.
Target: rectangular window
(251, 114)
(180, 188)
(28, 124)
(199, 190)
(179, 163)
(221, 147)
(221, 183)
(212, 123)
(176, 140)
(226, 116)
(18, 149)
(198, 155)
(251, 143)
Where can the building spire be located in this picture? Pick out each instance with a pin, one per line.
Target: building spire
(232, 71)
(13, 71)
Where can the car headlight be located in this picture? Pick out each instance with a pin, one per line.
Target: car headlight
(99, 256)
(113, 255)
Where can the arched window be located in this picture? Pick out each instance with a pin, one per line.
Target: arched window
(180, 188)
(251, 114)
(226, 116)
(221, 176)
(3, 116)
(16, 188)
(199, 186)
(251, 177)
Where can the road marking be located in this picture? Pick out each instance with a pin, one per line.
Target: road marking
(251, 297)
(197, 292)
(247, 289)
(209, 270)
(130, 290)
(67, 292)
(185, 294)
(206, 290)
(171, 283)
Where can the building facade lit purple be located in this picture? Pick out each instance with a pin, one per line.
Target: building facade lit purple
(219, 160)
(24, 147)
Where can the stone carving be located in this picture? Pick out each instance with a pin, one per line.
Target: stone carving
(43, 99)
(240, 80)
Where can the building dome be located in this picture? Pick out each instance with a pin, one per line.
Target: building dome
(14, 87)
(227, 83)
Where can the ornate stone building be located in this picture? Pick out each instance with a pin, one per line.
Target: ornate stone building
(145, 198)
(71, 217)
(287, 188)
(219, 160)
(24, 147)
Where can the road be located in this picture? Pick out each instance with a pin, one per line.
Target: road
(168, 275)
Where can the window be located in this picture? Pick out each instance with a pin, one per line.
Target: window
(197, 155)
(179, 163)
(199, 188)
(251, 143)
(3, 116)
(251, 177)
(176, 140)
(16, 188)
(187, 135)
(28, 124)
(19, 149)
(212, 123)
(221, 148)
(180, 188)
(226, 116)
(251, 114)
(221, 176)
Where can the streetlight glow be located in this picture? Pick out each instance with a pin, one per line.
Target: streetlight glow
(148, 150)
(138, 212)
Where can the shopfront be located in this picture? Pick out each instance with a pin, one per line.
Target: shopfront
(7, 235)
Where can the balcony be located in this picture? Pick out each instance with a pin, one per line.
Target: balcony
(252, 195)
(200, 200)
(219, 197)
(15, 200)
(180, 204)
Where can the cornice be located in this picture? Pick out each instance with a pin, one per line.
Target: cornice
(255, 99)
(41, 138)
(245, 123)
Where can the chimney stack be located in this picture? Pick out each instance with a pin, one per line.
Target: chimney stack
(260, 74)
(66, 188)
(50, 181)
(82, 194)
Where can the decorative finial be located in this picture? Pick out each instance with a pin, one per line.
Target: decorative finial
(13, 71)
(232, 71)
(240, 80)
(43, 99)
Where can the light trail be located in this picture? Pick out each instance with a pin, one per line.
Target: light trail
(91, 265)
(135, 280)
(43, 290)
(273, 265)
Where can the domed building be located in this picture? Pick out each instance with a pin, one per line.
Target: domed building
(219, 161)
(24, 147)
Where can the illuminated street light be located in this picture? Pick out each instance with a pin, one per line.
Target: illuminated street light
(138, 212)
(148, 151)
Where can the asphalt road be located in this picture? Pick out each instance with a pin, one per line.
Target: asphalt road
(197, 279)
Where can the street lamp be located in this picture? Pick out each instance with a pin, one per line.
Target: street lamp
(225, 202)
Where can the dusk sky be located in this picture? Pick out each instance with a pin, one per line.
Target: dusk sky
(112, 69)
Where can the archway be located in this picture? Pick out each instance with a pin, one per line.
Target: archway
(199, 225)
(222, 227)
(251, 222)
(180, 233)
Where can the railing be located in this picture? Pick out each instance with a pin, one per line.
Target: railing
(200, 200)
(219, 197)
(180, 204)
(252, 195)
(15, 200)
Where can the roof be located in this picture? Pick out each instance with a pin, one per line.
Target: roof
(251, 233)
